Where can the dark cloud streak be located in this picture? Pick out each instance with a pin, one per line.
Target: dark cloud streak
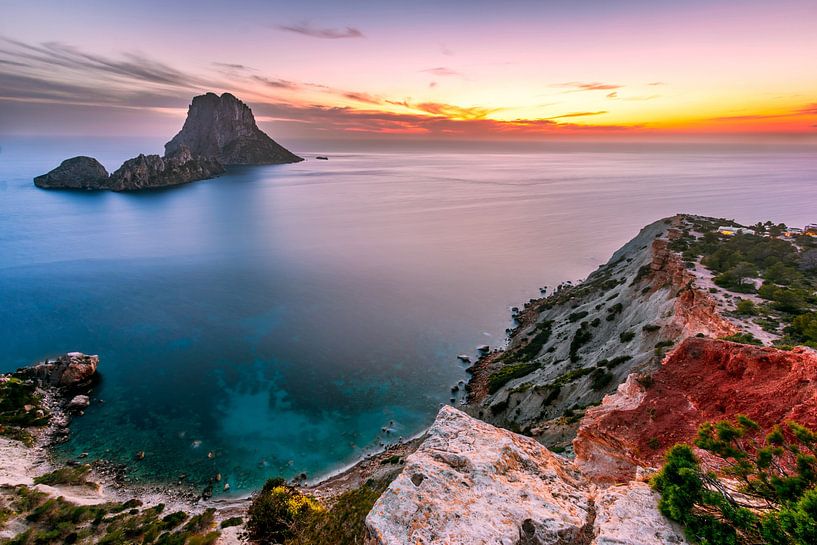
(323, 33)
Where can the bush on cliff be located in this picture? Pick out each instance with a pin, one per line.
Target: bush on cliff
(766, 491)
(277, 511)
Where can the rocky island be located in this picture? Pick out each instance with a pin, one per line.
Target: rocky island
(581, 431)
(219, 131)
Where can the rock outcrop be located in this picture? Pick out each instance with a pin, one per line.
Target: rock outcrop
(75, 173)
(218, 131)
(152, 171)
(700, 381)
(72, 371)
(223, 128)
(470, 483)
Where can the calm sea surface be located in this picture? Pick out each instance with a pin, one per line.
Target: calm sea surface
(281, 317)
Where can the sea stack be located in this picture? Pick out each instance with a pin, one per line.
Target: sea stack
(75, 173)
(223, 128)
(218, 131)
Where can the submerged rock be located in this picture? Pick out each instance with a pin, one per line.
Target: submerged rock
(75, 173)
(151, 171)
(223, 128)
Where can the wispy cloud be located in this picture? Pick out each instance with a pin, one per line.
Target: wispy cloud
(578, 114)
(588, 86)
(443, 71)
(130, 65)
(277, 83)
(307, 29)
(612, 95)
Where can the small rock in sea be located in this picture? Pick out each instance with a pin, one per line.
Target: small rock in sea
(455, 388)
(78, 402)
(483, 348)
(218, 477)
(210, 455)
(140, 455)
(453, 400)
(196, 443)
(464, 357)
(72, 463)
(83, 455)
(226, 486)
(182, 476)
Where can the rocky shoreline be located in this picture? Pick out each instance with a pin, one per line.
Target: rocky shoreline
(596, 381)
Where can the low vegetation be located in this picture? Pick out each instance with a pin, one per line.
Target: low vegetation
(765, 492)
(57, 521)
(781, 272)
(20, 408)
(71, 476)
(281, 514)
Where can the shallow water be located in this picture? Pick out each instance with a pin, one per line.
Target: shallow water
(281, 316)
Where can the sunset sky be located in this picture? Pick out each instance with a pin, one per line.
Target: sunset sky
(601, 69)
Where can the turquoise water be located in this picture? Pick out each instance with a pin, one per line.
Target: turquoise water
(280, 317)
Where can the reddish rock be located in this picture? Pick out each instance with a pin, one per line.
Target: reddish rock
(71, 371)
(696, 311)
(702, 380)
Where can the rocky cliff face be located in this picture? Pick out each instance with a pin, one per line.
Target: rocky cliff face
(218, 131)
(75, 173)
(223, 128)
(620, 320)
(71, 371)
(151, 171)
(700, 381)
(470, 483)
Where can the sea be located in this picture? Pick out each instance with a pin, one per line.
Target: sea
(290, 319)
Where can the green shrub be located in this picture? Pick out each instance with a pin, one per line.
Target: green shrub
(651, 328)
(576, 316)
(626, 336)
(71, 476)
(600, 379)
(777, 475)
(345, 522)
(746, 307)
(277, 511)
(509, 372)
(580, 338)
(743, 338)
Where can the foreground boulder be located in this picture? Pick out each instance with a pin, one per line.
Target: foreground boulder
(72, 371)
(151, 171)
(700, 381)
(470, 483)
(223, 128)
(75, 173)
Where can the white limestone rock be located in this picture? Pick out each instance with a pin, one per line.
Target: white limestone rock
(470, 483)
(628, 515)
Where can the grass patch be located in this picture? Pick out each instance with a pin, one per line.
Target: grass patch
(70, 476)
(509, 372)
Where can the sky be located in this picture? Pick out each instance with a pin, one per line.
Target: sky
(459, 70)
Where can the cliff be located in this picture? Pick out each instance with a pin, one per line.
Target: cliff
(571, 348)
(151, 171)
(223, 128)
(470, 483)
(700, 381)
